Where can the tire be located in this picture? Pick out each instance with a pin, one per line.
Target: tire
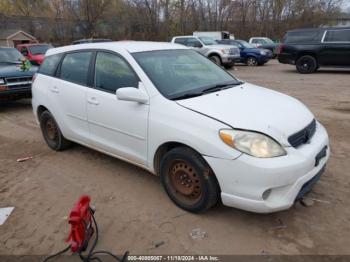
(52, 133)
(229, 65)
(188, 180)
(306, 64)
(216, 59)
(252, 61)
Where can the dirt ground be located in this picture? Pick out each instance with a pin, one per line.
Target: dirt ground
(133, 211)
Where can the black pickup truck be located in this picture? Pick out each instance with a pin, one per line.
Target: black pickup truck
(15, 75)
(309, 49)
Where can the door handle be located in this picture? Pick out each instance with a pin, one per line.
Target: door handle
(93, 101)
(54, 89)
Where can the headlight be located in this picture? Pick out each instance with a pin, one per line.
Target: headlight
(2, 81)
(251, 143)
(225, 51)
(262, 52)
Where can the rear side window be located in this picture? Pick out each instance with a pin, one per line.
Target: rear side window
(49, 65)
(337, 36)
(181, 41)
(112, 72)
(303, 37)
(75, 67)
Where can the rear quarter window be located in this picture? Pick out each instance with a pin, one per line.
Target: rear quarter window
(303, 37)
(75, 67)
(50, 64)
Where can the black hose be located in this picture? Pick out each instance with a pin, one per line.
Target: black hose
(91, 256)
(57, 254)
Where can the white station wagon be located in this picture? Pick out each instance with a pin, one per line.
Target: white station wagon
(172, 111)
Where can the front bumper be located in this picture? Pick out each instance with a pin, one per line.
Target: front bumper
(244, 181)
(226, 59)
(15, 93)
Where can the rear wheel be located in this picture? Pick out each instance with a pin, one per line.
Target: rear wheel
(52, 133)
(188, 180)
(306, 64)
(252, 61)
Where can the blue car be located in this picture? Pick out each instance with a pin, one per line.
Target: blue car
(250, 55)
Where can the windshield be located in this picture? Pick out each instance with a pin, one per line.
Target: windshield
(10, 55)
(177, 73)
(245, 44)
(208, 40)
(38, 49)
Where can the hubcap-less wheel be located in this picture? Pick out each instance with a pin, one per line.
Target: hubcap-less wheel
(51, 129)
(52, 133)
(184, 182)
(251, 61)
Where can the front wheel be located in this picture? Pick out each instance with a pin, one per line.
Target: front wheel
(306, 64)
(252, 61)
(215, 59)
(188, 180)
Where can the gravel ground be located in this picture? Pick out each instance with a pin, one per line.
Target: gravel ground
(133, 211)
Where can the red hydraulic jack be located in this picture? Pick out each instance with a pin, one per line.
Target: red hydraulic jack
(81, 219)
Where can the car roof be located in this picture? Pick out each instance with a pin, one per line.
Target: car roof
(185, 36)
(32, 44)
(129, 46)
(318, 29)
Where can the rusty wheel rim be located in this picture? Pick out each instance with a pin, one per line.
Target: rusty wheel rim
(184, 181)
(51, 129)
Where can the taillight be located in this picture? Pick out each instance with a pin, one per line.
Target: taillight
(280, 49)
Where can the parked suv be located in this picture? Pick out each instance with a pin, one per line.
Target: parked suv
(35, 53)
(220, 54)
(171, 111)
(250, 55)
(310, 49)
(15, 75)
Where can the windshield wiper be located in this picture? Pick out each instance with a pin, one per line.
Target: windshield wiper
(220, 87)
(188, 95)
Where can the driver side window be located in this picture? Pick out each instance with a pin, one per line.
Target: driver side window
(112, 72)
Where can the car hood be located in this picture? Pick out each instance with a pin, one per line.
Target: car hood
(254, 108)
(14, 70)
(221, 47)
(254, 50)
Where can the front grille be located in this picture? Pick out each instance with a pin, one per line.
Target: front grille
(234, 51)
(304, 135)
(22, 82)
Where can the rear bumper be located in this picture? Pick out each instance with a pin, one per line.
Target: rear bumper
(285, 58)
(269, 185)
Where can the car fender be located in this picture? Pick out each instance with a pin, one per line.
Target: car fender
(171, 122)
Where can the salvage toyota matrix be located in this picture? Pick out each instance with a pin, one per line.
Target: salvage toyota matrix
(172, 111)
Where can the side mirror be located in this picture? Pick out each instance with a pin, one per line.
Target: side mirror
(132, 94)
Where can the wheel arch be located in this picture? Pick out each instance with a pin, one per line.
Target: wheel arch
(40, 110)
(310, 53)
(166, 147)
